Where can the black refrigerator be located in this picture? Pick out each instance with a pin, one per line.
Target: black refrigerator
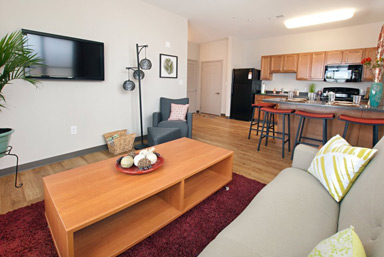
(245, 84)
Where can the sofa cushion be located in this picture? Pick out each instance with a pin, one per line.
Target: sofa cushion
(165, 106)
(337, 165)
(363, 206)
(287, 218)
(344, 243)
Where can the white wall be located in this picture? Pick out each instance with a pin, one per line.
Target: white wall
(42, 117)
(193, 51)
(362, 36)
(218, 51)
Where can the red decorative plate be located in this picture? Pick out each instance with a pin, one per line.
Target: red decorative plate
(135, 170)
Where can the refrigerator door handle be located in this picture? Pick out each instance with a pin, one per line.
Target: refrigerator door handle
(217, 93)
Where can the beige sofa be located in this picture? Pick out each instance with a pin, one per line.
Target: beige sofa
(294, 212)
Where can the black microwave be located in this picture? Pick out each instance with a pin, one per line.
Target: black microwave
(343, 73)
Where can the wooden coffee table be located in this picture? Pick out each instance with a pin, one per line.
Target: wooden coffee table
(95, 210)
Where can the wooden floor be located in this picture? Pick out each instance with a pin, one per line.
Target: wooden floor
(262, 166)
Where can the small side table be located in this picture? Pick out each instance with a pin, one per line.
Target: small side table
(8, 152)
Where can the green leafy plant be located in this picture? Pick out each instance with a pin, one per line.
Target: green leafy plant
(168, 66)
(14, 59)
(312, 88)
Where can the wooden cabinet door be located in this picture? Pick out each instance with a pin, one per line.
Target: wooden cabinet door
(277, 62)
(266, 68)
(290, 63)
(353, 56)
(317, 70)
(369, 52)
(304, 66)
(334, 57)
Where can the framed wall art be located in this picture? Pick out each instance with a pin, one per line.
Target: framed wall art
(168, 66)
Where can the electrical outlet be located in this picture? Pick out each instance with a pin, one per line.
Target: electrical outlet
(73, 130)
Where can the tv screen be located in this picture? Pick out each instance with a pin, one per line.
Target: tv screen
(65, 57)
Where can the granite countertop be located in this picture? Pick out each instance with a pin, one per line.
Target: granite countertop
(361, 107)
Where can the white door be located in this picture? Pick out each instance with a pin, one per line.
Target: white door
(192, 85)
(211, 84)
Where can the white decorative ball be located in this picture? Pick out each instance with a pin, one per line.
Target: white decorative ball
(152, 157)
(126, 162)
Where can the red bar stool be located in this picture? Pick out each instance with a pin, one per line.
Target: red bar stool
(363, 121)
(257, 122)
(304, 115)
(269, 113)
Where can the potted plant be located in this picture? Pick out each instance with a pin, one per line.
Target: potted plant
(14, 59)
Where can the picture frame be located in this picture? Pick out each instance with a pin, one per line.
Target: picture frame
(168, 66)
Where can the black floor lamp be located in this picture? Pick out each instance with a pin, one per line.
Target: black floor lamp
(129, 85)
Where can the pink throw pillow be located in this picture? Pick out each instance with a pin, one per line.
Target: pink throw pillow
(178, 112)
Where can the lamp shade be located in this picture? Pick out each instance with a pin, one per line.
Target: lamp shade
(129, 85)
(145, 64)
(136, 74)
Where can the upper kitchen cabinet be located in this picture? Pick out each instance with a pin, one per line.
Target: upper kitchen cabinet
(284, 63)
(334, 57)
(317, 70)
(369, 52)
(304, 66)
(353, 56)
(277, 62)
(290, 63)
(266, 68)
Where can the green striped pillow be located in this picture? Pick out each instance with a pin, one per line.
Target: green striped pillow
(337, 165)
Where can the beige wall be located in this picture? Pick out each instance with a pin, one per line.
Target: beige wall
(42, 117)
(335, 39)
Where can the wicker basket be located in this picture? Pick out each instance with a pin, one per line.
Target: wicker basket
(119, 141)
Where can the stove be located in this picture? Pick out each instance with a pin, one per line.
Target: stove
(342, 93)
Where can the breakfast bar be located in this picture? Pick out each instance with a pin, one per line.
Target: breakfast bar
(358, 135)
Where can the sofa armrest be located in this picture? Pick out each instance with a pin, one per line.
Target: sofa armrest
(303, 156)
(189, 123)
(156, 118)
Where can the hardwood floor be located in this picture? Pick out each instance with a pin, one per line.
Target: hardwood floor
(262, 166)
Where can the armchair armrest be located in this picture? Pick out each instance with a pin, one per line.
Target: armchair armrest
(189, 123)
(303, 156)
(156, 118)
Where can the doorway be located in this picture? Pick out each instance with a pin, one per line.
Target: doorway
(192, 85)
(211, 84)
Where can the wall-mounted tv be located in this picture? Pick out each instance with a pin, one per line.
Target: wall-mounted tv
(65, 57)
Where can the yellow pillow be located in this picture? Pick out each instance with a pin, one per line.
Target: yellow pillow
(338, 164)
(344, 243)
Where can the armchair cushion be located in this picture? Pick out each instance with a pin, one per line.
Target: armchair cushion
(182, 125)
(178, 112)
(165, 106)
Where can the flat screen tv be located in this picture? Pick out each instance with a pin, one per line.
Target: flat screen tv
(65, 57)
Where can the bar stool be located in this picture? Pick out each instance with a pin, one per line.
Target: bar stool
(269, 113)
(363, 121)
(304, 115)
(257, 122)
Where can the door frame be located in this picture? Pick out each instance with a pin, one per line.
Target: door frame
(222, 82)
(197, 79)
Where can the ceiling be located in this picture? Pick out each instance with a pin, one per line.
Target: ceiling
(248, 19)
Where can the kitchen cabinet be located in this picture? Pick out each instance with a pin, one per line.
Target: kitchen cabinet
(290, 63)
(284, 63)
(304, 66)
(277, 62)
(317, 69)
(334, 57)
(265, 68)
(353, 56)
(369, 52)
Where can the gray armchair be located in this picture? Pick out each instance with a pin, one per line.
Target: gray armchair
(160, 119)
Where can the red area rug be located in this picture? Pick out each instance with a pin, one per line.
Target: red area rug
(24, 232)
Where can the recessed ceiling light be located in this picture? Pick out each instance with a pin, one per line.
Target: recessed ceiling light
(276, 17)
(249, 20)
(319, 18)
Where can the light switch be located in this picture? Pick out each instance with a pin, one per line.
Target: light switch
(168, 44)
(181, 82)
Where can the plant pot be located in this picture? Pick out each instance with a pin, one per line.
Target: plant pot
(5, 136)
(375, 94)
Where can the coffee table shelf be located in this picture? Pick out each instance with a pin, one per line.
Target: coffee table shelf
(96, 210)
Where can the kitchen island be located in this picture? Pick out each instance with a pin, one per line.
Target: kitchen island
(358, 135)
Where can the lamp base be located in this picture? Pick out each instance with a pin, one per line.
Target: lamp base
(140, 146)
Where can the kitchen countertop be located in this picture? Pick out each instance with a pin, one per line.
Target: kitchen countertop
(362, 107)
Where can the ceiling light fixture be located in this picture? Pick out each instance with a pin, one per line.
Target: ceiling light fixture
(276, 17)
(320, 18)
